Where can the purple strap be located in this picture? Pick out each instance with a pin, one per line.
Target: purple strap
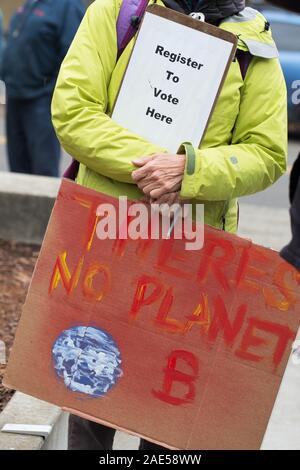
(72, 170)
(126, 29)
(244, 59)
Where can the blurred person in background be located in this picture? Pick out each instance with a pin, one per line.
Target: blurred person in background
(39, 37)
(1, 38)
(291, 252)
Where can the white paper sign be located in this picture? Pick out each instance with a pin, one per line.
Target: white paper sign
(171, 82)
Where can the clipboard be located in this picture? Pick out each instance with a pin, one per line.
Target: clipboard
(170, 108)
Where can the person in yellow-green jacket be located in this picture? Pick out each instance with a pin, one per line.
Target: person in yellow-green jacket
(243, 152)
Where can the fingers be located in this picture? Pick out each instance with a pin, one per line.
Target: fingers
(148, 187)
(166, 188)
(143, 160)
(157, 193)
(139, 174)
(143, 172)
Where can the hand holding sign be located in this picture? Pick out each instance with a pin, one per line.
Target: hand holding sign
(159, 175)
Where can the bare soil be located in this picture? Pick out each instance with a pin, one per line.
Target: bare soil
(16, 266)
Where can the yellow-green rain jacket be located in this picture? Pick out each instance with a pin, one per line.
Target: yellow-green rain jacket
(244, 149)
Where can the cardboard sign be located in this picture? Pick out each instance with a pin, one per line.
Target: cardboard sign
(185, 348)
(173, 79)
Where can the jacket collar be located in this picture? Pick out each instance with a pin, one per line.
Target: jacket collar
(214, 10)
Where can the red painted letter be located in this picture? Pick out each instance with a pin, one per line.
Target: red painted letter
(140, 298)
(172, 374)
(221, 321)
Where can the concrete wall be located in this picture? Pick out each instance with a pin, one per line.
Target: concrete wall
(25, 206)
(23, 409)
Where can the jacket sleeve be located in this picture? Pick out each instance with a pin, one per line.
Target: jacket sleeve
(81, 98)
(256, 157)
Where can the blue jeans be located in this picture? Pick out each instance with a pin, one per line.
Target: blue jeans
(32, 145)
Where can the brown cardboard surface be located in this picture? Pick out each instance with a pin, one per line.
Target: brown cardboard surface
(203, 336)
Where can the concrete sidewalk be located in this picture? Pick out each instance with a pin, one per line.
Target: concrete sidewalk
(264, 225)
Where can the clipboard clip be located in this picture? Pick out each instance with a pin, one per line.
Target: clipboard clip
(198, 16)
